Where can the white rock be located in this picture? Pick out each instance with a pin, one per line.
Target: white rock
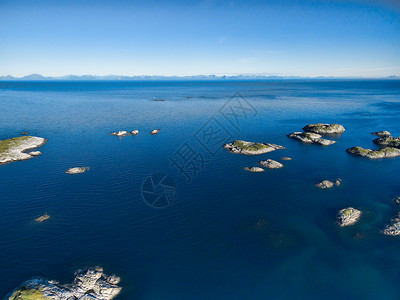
(135, 132)
(155, 131)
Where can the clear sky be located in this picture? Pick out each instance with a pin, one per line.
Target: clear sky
(279, 37)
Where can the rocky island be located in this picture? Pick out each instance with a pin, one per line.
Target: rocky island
(270, 164)
(254, 169)
(76, 170)
(310, 138)
(394, 227)
(388, 141)
(89, 284)
(381, 133)
(13, 149)
(119, 133)
(327, 184)
(250, 148)
(348, 216)
(324, 128)
(374, 154)
(154, 131)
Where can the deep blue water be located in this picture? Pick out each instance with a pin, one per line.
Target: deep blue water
(227, 233)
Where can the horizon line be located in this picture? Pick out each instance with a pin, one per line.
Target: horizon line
(39, 77)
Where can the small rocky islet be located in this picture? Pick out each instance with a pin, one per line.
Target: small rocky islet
(393, 228)
(313, 133)
(270, 164)
(310, 138)
(89, 284)
(254, 169)
(250, 148)
(382, 133)
(374, 154)
(122, 133)
(388, 141)
(327, 184)
(348, 216)
(77, 170)
(14, 149)
(321, 128)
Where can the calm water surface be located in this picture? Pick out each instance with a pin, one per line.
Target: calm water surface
(227, 234)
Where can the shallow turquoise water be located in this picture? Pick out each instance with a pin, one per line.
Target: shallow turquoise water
(227, 233)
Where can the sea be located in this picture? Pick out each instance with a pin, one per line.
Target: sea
(175, 215)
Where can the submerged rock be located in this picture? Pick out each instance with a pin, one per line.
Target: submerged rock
(77, 170)
(135, 132)
(120, 133)
(394, 227)
(348, 216)
(311, 138)
(389, 141)
(249, 148)
(24, 133)
(90, 284)
(13, 149)
(397, 200)
(374, 154)
(254, 169)
(270, 164)
(42, 218)
(155, 131)
(381, 133)
(324, 128)
(326, 184)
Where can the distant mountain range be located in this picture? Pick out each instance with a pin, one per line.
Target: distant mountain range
(38, 77)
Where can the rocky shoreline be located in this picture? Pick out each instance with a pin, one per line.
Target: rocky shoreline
(14, 149)
(89, 284)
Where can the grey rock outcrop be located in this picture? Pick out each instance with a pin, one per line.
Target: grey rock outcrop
(327, 184)
(310, 138)
(381, 133)
(89, 284)
(374, 154)
(254, 169)
(76, 170)
(324, 128)
(393, 228)
(270, 164)
(120, 133)
(389, 141)
(249, 148)
(348, 216)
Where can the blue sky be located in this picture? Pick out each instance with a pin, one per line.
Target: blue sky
(296, 37)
